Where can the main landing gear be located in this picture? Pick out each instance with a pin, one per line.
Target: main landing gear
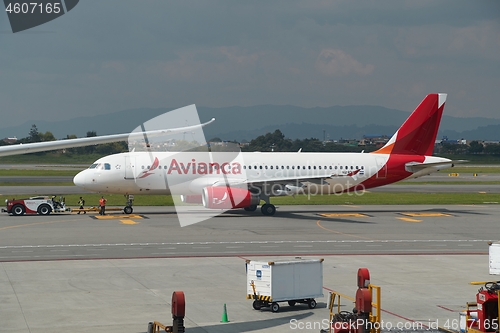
(266, 209)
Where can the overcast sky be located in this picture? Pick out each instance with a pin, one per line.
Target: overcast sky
(110, 55)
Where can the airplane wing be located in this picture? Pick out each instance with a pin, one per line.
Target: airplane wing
(19, 149)
(286, 185)
(282, 180)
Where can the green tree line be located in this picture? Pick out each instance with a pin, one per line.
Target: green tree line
(275, 141)
(474, 147)
(35, 135)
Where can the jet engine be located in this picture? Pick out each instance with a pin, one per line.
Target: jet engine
(223, 197)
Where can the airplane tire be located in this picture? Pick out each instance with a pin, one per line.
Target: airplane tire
(268, 209)
(128, 210)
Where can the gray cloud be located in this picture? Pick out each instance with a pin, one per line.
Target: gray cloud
(111, 55)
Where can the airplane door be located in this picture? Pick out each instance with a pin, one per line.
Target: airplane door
(382, 168)
(129, 167)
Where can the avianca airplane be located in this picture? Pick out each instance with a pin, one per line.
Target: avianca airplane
(242, 180)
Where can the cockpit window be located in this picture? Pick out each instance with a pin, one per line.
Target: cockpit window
(107, 166)
(93, 166)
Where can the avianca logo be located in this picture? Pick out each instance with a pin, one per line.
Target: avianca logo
(195, 168)
(148, 172)
(218, 201)
(202, 168)
(353, 173)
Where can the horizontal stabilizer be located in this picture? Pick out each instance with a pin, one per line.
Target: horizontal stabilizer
(419, 169)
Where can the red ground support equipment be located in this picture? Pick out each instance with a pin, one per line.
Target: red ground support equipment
(363, 278)
(363, 301)
(362, 319)
(178, 310)
(486, 308)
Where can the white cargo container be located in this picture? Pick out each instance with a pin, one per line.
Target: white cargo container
(494, 254)
(297, 281)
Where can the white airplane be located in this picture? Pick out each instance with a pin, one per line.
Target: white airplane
(26, 148)
(242, 180)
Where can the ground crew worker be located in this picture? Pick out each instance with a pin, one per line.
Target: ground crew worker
(102, 204)
(81, 202)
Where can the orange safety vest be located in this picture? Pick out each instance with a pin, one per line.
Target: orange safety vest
(102, 202)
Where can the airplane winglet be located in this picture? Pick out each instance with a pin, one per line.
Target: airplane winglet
(208, 122)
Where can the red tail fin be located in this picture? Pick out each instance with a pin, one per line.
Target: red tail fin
(418, 133)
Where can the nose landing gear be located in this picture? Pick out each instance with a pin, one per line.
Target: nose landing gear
(128, 206)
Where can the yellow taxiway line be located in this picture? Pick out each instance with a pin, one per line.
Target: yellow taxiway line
(117, 217)
(343, 215)
(318, 223)
(124, 219)
(129, 222)
(425, 214)
(407, 219)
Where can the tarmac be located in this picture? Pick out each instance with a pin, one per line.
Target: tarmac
(124, 295)
(85, 274)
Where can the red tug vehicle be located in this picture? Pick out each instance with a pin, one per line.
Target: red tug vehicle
(482, 315)
(42, 205)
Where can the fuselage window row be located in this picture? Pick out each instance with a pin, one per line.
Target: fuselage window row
(107, 166)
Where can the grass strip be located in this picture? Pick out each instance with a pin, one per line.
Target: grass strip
(38, 173)
(370, 198)
(472, 169)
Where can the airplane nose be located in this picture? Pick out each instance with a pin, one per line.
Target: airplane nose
(79, 179)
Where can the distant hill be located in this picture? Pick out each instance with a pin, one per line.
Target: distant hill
(490, 132)
(239, 123)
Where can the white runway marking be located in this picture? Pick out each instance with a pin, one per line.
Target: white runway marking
(358, 241)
